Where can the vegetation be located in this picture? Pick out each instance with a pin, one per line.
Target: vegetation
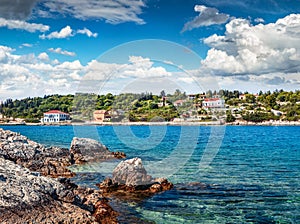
(147, 108)
(33, 108)
(229, 117)
(283, 105)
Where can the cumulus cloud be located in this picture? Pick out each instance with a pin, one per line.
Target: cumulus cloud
(68, 32)
(43, 56)
(4, 53)
(37, 75)
(16, 9)
(63, 33)
(255, 49)
(259, 20)
(74, 65)
(138, 67)
(87, 32)
(139, 73)
(111, 11)
(207, 17)
(60, 51)
(22, 25)
(30, 75)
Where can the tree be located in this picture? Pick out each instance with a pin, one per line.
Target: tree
(162, 93)
(271, 100)
(209, 93)
(250, 98)
(229, 117)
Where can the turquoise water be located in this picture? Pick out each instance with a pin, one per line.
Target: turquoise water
(250, 174)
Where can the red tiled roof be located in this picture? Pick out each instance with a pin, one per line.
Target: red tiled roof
(179, 101)
(55, 112)
(100, 111)
(211, 99)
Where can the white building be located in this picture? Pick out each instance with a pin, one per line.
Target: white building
(54, 116)
(178, 103)
(213, 103)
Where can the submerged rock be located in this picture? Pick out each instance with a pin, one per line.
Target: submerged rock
(27, 198)
(131, 181)
(89, 150)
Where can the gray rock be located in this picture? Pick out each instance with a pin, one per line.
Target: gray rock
(50, 161)
(27, 198)
(88, 150)
(131, 172)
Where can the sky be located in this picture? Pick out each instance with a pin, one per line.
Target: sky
(69, 46)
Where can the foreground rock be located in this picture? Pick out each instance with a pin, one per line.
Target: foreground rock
(89, 150)
(131, 172)
(52, 161)
(49, 161)
(131, 181)
(27, 198)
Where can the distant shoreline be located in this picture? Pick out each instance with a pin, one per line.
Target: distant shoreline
(184, 123)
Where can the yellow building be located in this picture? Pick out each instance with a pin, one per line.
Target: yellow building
(101, 115)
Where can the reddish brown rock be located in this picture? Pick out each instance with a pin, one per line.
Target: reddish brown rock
(131, 181)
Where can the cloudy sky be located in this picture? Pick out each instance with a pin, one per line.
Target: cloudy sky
(68, 46)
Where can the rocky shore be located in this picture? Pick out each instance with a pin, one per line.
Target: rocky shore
(34, 184)
(28, 198)
(52, 161)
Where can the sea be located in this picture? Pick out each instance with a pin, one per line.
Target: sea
(221, 174)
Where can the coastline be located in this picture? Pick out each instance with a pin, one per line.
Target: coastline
(167, 123)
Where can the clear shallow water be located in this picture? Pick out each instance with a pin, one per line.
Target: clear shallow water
(253, 178)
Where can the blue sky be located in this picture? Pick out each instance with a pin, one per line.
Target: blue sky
(66, 46)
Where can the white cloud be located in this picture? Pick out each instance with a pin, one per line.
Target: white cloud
(55, 62)
(22, 25)
(259, 20)
(138, 67)
(68, 32)
(74, 65)
(63, 33)
(26, 45)
(87, 32)
(5, 53)
(43, 56)
(255, 49)
(111, 11)
(207, 17)
(60, 51)
(30, 75)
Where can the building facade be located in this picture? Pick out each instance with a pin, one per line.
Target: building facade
(101, 115)
(213, 103)
(55, 116)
